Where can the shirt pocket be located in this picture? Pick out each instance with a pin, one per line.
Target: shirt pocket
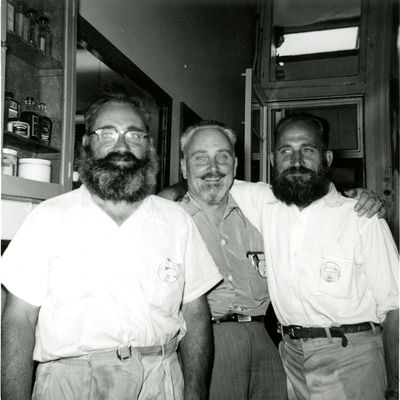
(257, 275)
(163, 286)
(336, 276)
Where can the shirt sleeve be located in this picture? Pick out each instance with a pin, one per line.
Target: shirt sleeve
(252, 198)
(201, 273)
(381, 260)
(24, 265)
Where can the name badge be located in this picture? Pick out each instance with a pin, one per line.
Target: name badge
(330, 271)
(168, 271)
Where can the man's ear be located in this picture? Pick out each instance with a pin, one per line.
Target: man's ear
(183, 168)
(271, 159)
(85, 140)
(235, 166)
(329, 157)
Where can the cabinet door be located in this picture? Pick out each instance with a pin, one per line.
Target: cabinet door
(46, 74)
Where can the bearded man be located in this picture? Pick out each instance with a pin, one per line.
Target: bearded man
(103, 283)
(333, 277)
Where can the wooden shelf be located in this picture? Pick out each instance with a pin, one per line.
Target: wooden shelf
(32, 55)
(11, 139)
(14, 186)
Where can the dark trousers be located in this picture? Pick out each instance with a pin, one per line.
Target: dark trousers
(247, 365)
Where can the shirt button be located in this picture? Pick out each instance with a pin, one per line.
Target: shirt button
(223, 242)
(230, 278)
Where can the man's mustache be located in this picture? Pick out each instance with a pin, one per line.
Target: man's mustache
(297, 170)
(120, 156)
(213, 175)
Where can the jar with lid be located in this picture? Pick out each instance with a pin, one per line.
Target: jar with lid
(30, 116)
(44, 35)
(9, 161)
(37, 169)
(33, 36)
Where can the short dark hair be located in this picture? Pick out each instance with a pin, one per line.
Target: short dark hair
(320, 125)
(115, 97)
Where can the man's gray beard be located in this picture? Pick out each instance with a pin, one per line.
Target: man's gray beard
(301, 190)
(119, 183)
(212, 191)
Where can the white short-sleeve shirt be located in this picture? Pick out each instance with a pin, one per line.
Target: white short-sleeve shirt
(326, 266)
(100, 285)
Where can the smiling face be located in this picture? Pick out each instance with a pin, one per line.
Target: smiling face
(299, 145)
(301, 165)
(122, 117)
(209, 166)
(118, 171)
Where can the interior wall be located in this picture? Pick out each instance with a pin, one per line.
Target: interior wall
(196, 50)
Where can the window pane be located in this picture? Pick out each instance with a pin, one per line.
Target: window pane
(319, 41)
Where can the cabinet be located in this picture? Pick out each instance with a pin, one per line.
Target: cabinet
(256, 141)
(50, 78)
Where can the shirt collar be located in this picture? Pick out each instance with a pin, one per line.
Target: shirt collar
(192, 206)
(333, 198)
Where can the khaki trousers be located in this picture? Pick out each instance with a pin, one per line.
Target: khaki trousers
(322, 369)
(148, 373)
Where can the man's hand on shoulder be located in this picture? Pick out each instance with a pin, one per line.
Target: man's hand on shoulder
(368, 202)
(174, 192)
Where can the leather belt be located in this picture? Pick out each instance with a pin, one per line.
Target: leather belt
(237, 318)
(300, 332)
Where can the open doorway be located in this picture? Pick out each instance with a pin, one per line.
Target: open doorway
(100, 66)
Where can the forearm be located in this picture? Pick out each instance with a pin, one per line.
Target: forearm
(197, 354)
(391, 346)
(17, 344)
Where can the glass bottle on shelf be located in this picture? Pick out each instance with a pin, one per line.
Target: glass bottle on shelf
(33, 36)
(25, 29)
(30, 116)
(11, 108)
(45, 124)
(44, 35)
(19, 19)
(11, 15)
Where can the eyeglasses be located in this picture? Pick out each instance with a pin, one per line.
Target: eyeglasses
(109, 136)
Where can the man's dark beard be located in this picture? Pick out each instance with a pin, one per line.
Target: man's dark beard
(109, 181)
(302, 189)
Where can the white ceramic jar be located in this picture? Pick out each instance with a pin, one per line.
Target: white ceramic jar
(37, 169)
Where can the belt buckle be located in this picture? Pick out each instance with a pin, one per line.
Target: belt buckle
(243, 318)
(124, 353)
(292, 329)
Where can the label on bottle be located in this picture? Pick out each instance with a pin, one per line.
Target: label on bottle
(45, 130)
(11, 109)
(42, 43)
(35, 133)
(19, 128)
(12, 113)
